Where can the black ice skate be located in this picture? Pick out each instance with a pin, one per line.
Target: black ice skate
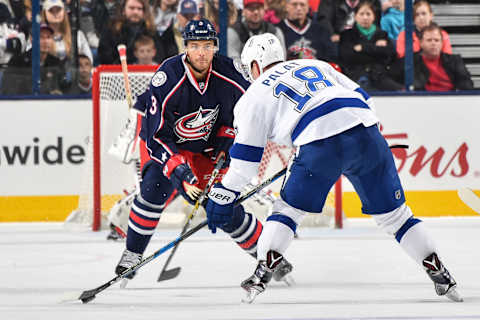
(282, 272)
(116, 234)
(128, 260)
(275, 266)
(442, 280)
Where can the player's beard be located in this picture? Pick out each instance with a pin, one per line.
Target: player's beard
(199, 68)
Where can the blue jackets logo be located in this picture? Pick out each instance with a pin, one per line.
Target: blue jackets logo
(196, 125)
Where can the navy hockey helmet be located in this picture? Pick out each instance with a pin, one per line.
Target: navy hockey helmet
(200, 30)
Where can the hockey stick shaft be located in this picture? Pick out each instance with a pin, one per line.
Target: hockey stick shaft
(122, 52)
(89, 295)
(199, 201)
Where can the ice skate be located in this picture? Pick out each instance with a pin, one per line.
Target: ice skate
(256, 284)
(116, 234)
(442, 280)
(265, 270)
(282, 273)
(128, 260)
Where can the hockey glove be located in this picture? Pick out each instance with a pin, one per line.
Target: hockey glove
(182, 178)
(220, 206)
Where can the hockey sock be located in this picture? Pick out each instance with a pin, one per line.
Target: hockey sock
(137, 242)
(278, 233)
(415, 240)
(247, 234)
(141, 225)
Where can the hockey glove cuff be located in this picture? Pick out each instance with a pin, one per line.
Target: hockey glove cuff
(220, 206)
(183, 179)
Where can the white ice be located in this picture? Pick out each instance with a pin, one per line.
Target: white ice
(355, 273)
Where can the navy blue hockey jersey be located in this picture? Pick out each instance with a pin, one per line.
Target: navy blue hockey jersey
(184, 114)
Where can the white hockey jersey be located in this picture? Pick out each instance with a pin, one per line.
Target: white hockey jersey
(292, 104)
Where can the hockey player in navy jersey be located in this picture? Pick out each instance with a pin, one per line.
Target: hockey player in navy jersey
(330, 119)
(188, 123)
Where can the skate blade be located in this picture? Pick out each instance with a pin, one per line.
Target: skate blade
(454, 295)
(251, 295)
(124, 283)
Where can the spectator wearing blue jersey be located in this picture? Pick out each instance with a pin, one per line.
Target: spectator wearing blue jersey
(304, 37)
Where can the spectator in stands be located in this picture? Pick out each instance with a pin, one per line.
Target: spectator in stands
(83, 80)
(87, 23)
(187, 10)
(133, 19)
(53, 13)
(251, 24)
(103, 13)
(18, 76)
(338, 15)
(304, 37)
(366, 52)
(422, 17)
(211, 13)
(12, 42)
(275, 11)
(145, 50)
(15, 8)
(164, 12)
(25, 23)
(393, 20)
(435, 70)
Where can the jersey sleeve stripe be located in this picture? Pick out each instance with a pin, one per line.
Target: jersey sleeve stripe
(363, 93)
(246, 152)
(229, 80)
(324, 109)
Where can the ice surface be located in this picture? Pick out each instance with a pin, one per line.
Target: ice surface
(355, 273)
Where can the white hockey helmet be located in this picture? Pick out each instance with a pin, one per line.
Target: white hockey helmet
(265, 49)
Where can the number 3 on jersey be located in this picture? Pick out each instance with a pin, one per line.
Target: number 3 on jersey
(313, 79)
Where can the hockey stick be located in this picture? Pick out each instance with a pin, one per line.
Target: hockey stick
(469, 198)
(89, 295)
(122, 52)
(172, 273)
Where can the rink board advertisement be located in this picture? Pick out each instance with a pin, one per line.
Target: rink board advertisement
(44, 154)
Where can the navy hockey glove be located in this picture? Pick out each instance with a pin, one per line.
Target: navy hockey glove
(182, 178)
(220, 206)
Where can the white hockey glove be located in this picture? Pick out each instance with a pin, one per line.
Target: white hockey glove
(123, 147)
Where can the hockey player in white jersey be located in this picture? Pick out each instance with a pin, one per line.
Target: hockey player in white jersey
(330, 119)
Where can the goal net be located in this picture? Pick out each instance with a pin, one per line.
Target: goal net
(106, 179)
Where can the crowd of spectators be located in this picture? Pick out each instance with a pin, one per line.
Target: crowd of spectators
(366, 38)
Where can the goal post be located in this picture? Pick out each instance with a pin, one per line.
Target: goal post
(106, 178)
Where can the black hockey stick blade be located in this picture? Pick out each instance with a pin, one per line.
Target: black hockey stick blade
(169, 274)
(88, 296)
